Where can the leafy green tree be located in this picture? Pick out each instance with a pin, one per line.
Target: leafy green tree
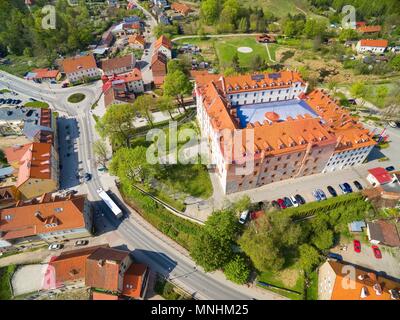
(144, 104)
(117, 123)
(242, 204)
(323, 240)
(210, 10)
(166, 104)
(348, 34)
(309, 257)
(177, 84)
(257, 63)
(131, 164)
(382, 93)
(289, 28)
(237, 270)
(359, 90)
(222, 225)
(243, 25)
(100, 149)
(210, 252)
(314, 28)
(235, 64)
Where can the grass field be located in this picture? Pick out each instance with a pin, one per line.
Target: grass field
(227, 47)
(37, 104)
(5, 278)
(20, 65)
(76, 97)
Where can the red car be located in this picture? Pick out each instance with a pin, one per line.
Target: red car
(281, 203)
(357, 246)
(377, 252)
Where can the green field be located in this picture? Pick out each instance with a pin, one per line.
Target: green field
(5, 278)
(37, 104)
(227, 47)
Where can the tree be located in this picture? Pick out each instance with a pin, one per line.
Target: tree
(359, 90)
(131, 164)
(348, 34)
(242, 204)
(144, 104)
(222, 225)
(243, 25)
(235, 62)
(210, 11)
(117, 123)
(323, 240)
(256, 63)
(209, 252)
(382, 93)
(309, 257)
(237, 270)
(177, 84)
(314, 28)
(166, 104)
(395, 63)
(101, 151)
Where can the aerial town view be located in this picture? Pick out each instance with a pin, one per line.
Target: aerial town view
(199, 150)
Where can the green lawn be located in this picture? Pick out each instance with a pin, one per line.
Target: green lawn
(312, 289)
(5, 91)
(37, 104)
(5, 278)
(76, 97)
(227, 47)
(290, 278)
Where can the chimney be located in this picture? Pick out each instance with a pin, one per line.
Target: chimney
(38, 215)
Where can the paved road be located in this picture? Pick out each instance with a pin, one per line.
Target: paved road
(150, 249)
(227, 35)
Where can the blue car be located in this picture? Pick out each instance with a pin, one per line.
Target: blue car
(335, 256)
(348, 188)
(321, 194)
(316, 195)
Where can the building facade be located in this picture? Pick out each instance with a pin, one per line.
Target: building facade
(80, 67)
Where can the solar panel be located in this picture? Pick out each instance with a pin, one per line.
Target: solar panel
(274, 75)
(257, 77)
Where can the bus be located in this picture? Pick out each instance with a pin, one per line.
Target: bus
(110, 203)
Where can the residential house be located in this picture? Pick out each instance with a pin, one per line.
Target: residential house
(163, 19)
(118, 65)
(80, 68)
(163, 45)
(181, 8)
(379, 176)
(336, 282)
(158, 68)
(36, 168)
(369, 29)
(106, 39)
(43, 75)
(265, 38)
(102, 268)
(369, 45)
(137, 41)
(383, 232)
(45, 219)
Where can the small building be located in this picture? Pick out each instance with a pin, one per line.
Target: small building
(357, 226)
(80, 67)
(163, 45)
(334, 283)
(379, 176)
(265, 38)
(369, 29)
(383, 232)
(45, 219)
(106, 39)
(137, 41)
(43, 75)
(158, 68)
(369, 45)
(181, 8)
(118, 65)
(163, 19)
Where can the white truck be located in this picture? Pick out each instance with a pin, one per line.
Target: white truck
(110, 203)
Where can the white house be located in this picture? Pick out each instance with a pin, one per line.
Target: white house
(80, 67)
(369, 45)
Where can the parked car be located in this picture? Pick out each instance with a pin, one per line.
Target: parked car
(288, 202)
(321, 194)
(81, 243)
(332, 191)
(335, 256)
(243, 217)
(316, 195)
(294, 201)
(300, 199)
(87, 177)
(358, 185)
(281, 204)
(56, 246)
(357, 246)
(348, 188)
(392, 124)
(275, 204)
(344, 189)
(377, 252)
(391, 168)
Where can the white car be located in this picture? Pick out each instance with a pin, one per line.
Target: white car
(55, 246)
(294, 201)
(243, 217)
(392, 124)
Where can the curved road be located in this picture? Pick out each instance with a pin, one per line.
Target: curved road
(151, 246)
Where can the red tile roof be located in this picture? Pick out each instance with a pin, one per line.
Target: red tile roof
(381, 174)
(45, 73)
(137, 38)
(369, 29)
(118, 63)
(79, 63)
(42, 215)
(133, 280)
(181, 8)
(374, 43)
(162, 41)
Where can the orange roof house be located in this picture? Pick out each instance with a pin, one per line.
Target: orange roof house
(369, 29)
(137, 40)
(163, 45)
(47, 74)
(374, 43)
(35, 165)
(335, 283)
(118, 65)
(135, 281)
(181, 8)
(42, 217)
(158, 68)
(79, 63)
